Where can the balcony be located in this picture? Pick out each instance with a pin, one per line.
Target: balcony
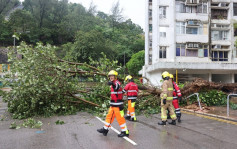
(219, 14)
(220, 27)
(192, 2)
(220, 1)
(218, 6)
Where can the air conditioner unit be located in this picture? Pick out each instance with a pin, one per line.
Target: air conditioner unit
(195, 45)
(214, 25)
(190, 45)
(217, 47)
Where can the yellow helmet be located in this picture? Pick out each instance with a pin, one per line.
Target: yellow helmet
(113, 73)
(165, 74)
(171, 76)
(129, 77)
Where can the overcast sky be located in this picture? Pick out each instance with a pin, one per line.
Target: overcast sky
(133, 9)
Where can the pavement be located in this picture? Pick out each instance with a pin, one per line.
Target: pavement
(79, 131)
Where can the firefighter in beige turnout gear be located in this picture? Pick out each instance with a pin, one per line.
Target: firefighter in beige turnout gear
(166, 100)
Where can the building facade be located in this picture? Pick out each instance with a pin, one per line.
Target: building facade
(194, 37)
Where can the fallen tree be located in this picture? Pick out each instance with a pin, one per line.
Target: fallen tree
(47, 85)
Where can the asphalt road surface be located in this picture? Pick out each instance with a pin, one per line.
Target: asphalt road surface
(79, 132)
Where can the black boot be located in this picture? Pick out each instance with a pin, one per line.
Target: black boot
(173, 122)
(162, 123)
(123, 134)
(128, 117)
(133, 119)
(179, 117)
(104, 131)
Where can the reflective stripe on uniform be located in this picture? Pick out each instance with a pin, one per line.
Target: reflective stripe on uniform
(133, 104)
(169, 98)
(132, 97)
(106, 123)
(116, 92)
(125, 129)
(130, 91)
(116, 104)
(163, 117)
(123, 125)
(122, 114)
(173, 116)
(170, 89)
(165, 95)
(175, 97)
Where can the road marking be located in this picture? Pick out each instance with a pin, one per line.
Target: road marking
(212, 118)
(115, 130)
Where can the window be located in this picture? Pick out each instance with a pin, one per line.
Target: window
(219, 35)
(235, 9)
(150, 58)
(150, 43)
(191, 9)
(202, 8)
(150, 27)
(163, 34)
(150, 13)
(162, 52)
(180, 27)
(191, 53)
(191, 50)
(162, 12)
(191, 30)
(180, 49)
(180, 7)
(162, 31)
(220, 56)
(191, 27)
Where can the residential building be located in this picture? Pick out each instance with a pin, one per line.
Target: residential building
(196, 38)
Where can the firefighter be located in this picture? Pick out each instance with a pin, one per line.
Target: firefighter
(177, 98)
(116, 107)
(132, 89)
(166, 100)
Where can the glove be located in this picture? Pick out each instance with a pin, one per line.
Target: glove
(180, 99)
(164, 101)
(110, 83)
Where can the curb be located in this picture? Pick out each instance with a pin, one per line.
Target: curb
(211, 115)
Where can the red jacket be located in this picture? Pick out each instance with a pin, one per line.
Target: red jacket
(132, 89)
(116, 94)
(176, 91)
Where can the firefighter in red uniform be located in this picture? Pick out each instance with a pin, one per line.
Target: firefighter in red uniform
(116, 107)
(177, 98)
(132, 89)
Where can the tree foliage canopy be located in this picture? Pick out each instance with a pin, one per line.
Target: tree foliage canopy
(135, 64)
(82, 32)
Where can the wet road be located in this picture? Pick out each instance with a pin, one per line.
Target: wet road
(79, 131)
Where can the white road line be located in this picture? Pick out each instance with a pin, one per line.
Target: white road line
(115, 130)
